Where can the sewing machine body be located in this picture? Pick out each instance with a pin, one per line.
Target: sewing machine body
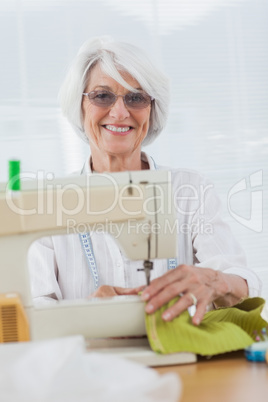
(144, 198)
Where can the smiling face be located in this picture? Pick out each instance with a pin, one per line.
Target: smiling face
(115, 130)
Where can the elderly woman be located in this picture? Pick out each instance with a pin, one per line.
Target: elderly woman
(117, 101)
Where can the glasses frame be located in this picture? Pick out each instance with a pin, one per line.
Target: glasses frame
(119, 96)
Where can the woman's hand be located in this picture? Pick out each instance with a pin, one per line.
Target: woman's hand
(110, 291)
(193, 284)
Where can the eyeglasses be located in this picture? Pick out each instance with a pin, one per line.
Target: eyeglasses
(133, 100)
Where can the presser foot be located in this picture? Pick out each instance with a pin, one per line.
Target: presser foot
(147, 267)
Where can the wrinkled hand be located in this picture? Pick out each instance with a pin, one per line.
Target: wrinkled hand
(205, 284)
(110, 291)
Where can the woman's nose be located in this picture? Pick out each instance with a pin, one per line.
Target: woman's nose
(119, 110)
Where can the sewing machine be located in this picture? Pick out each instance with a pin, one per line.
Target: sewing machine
(51, 207)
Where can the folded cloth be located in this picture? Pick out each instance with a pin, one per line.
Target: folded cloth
(60, 370)
(222, 330)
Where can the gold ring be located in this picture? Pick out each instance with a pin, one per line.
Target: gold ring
(194, 299)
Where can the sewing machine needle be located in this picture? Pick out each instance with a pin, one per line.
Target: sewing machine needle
(147, 274)
(148, 265)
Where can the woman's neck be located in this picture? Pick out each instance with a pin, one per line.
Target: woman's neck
(117, 163)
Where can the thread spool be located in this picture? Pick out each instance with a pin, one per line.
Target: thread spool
(14, 175)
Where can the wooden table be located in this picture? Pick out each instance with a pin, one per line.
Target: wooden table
(225, 378)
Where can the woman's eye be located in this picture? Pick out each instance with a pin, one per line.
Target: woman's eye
(136, 98)
(102, 95)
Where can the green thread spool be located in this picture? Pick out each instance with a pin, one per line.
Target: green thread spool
(14, 175)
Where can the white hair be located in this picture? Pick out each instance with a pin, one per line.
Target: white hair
(113, 57)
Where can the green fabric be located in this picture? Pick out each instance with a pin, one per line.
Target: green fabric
(222, 330)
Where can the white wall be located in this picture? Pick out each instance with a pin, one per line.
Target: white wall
(215, 53)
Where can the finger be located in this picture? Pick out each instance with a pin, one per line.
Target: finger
(179, 307)
(203, 300)
(103, 291)
(201, 309)
(183, 304)
(164, 296)
(126, 291)
(158, 284)
(139, 289)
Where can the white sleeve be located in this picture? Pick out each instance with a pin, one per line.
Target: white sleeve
(43, 271)
(215, 246)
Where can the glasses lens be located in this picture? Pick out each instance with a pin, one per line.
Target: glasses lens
(102, 98)
(137, 100)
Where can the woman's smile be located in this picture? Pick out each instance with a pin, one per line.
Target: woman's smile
(116, 129)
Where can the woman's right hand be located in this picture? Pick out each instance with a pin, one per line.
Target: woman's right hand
(110, 291)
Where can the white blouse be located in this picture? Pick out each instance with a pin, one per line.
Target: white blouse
(59, 268)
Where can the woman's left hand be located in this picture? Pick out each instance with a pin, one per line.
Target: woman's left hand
(111, 291)
(200, 286)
